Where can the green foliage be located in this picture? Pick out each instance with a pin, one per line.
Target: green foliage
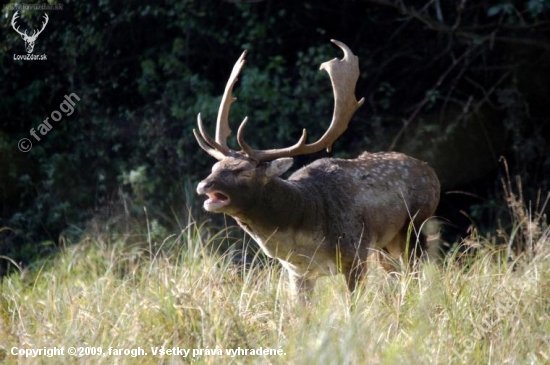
(143, 72)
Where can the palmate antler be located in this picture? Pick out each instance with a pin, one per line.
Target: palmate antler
(343, 75)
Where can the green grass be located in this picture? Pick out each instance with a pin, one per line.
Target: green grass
(130, 292)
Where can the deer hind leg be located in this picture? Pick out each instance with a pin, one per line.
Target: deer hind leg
(383, 258)
(392, 255)
(407, 247)
(355, 275)
(429, 241)
(357, 270)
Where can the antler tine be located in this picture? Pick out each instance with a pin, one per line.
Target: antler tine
(343, 74)
(212, 152)
(240, 138)
(222, 124)
(258, 155)
(269, 155)
(218, 148)
(218, 151)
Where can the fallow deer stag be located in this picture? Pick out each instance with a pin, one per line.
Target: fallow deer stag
(331, 215)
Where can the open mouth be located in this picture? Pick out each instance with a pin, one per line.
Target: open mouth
(216, 200)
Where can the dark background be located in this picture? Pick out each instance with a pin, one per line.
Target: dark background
(456, 83)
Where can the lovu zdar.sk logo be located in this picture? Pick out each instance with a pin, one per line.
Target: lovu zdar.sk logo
(29, 39)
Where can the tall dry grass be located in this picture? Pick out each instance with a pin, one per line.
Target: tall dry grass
(123, 291)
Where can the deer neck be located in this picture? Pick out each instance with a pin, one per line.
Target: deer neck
(281, 205)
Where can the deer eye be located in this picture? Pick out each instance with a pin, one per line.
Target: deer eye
(245, 173)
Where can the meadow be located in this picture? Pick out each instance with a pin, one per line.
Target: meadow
(142, 297)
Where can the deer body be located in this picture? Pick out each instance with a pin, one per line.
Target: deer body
(331, 215)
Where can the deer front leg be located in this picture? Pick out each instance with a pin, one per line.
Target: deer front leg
(355, 273)
(301, 287)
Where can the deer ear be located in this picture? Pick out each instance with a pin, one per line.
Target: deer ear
(279, 166)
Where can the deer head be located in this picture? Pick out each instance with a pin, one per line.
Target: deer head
(29, 40)
(249, 167)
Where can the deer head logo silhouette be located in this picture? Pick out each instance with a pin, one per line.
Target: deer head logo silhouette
(29, 39)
